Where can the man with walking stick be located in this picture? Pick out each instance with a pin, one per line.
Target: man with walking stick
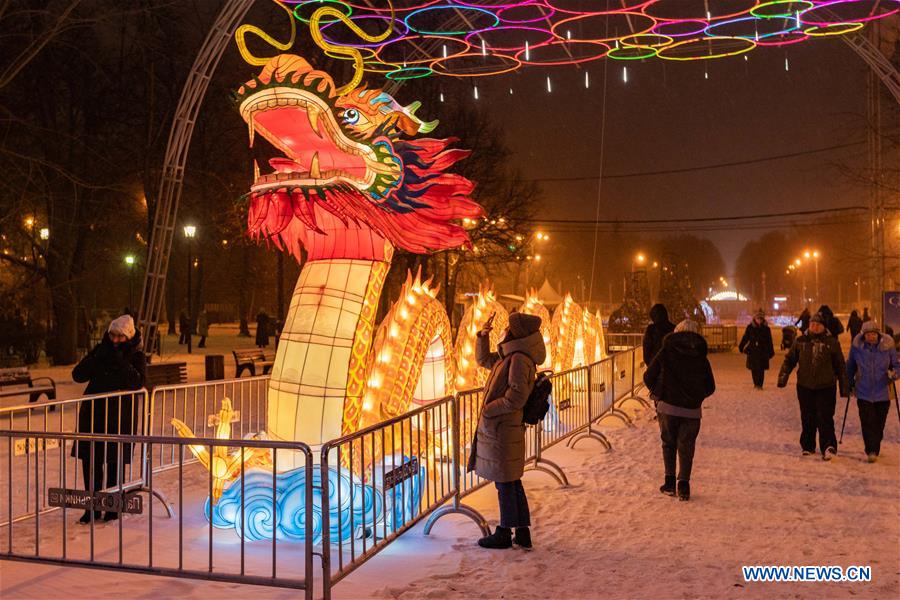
(871, 370)
(821, 371)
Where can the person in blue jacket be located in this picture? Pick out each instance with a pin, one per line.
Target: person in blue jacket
(872, 366)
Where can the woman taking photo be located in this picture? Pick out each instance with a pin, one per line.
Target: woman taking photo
(498, 451)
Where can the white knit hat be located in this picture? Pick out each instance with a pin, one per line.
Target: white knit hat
(870, 326)
(123, 325)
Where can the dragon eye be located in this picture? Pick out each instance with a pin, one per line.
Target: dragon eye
(351, 116)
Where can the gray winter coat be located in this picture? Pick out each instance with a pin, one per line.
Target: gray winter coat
(499, 448)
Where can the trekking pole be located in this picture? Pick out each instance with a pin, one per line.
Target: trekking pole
(896, 400)
(846, 410)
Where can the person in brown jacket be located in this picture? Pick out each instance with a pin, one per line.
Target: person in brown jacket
(499, 448)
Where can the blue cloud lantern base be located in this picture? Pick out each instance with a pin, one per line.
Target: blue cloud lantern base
(364, 509)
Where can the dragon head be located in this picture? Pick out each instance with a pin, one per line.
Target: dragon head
(352, 179)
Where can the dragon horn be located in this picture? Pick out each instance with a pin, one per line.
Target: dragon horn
(315, 29)
(243, 30)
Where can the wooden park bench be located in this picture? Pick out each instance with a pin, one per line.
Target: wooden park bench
(21, 376)
(165, 374)
(250, 359)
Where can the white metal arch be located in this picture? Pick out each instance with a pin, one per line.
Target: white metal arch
(172, 179)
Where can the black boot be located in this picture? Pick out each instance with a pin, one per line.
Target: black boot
(501, 538)
(523, 537)
(668, 488)
(86, 517)
(684, 490)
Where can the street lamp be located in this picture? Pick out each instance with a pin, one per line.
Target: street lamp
(815, 255)
(129, 261)
(798, 264)
(190, 231)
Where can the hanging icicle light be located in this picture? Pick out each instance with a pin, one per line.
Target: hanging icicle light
(625, 74)
(705, 72)
(445, 50)
(587, 80)
(483, 48)
(476, 92)
(787, 65)
(527, 51)
(442, 96)
(568, 34)
(510, 92)
(549, 87)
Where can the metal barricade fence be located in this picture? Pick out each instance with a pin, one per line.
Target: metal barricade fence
(27, 458)
(619, 342)
(370, 487)
(380, 481)
(197, 405)
(468, 406)
(719, 338)
(261, 534)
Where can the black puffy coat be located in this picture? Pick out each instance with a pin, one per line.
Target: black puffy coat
(854, 325)
(680, 374)
(820, 361)
(832, 323)
(110, 368)
(757, 345)
(658, 329)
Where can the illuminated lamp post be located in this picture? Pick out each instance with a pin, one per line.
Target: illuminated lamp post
(799, 263)
(190, 232)
(815, 256)
(129, 262)
(640, 260)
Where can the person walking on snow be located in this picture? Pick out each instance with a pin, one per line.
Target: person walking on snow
(872, 365)
(202, 328)
(757, 345)
(262, 329)
(832, 323)
(854, 324)
(681, 377)
(498, 450)
(821, 370)
(659, 327)
(115, 364)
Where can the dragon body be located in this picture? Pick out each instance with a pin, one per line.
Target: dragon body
(353, 181)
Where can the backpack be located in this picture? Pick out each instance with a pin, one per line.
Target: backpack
(538, 402)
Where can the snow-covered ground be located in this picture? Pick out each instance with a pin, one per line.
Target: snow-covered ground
(755, 501)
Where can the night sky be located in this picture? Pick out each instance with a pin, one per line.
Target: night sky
(668, 116)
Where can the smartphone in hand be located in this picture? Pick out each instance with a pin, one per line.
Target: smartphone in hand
(489, 324)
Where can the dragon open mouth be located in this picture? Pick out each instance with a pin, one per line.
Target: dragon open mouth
(348, 162)
(316, 152)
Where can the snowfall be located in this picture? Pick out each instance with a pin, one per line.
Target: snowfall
(755, 501)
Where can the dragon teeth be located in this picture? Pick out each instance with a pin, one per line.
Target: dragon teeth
(255, 170)
(312, 113)
(251, 129)
(314, 171)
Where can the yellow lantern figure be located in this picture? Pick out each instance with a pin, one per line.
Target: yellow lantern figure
(224, 466)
